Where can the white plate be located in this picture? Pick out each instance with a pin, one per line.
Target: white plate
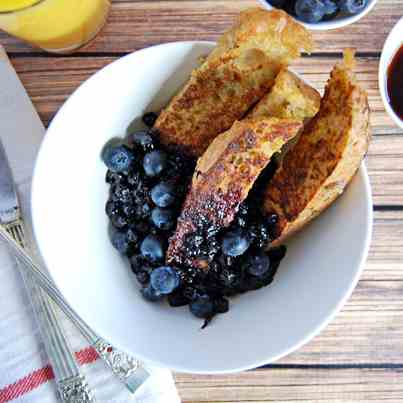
(315, 279)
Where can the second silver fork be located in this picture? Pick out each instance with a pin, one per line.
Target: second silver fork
(71, 384)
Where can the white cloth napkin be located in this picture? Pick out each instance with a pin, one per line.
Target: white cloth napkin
(25, 375)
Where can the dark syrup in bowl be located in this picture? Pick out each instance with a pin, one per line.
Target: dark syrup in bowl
(395, 83)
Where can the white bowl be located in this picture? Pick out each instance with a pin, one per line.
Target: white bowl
(392, 44)
(317, 276)
(338, 22)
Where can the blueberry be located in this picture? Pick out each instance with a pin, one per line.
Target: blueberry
(352, 6)
(149, 118)
(152, 248)
(141, 139)
(154, 162)
(164, 279)
(114, 177)
(277, 3)
(259, 234)
(272, 219)
(132, 235)
(163, 194)
(118, 220)
(268, 173)
(143, 227)
(228, 278)
(221, 305)
(202, 307)
(150, 294)
(310, 10)
(121, 194)
(119, 241)
(111, 208)
(331, 8)
(241, 219)
(277, 254)
(136, 263)
(142, 211)
(258, 264)
(143, 277)
(162, 218)
(128, 209)
(177, 299)
(117, 158)
(190, 293)
(234, 244)
(134, 179)
(226, 261)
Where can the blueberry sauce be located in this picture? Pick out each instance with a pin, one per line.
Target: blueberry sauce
(147, 186)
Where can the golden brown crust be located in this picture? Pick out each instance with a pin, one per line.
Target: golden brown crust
(326, 157)
(237, 73)
(289, 98)
(224, 175)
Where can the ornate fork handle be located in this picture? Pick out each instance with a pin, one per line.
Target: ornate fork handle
(129, 370)
(121, 364)
(75, 390)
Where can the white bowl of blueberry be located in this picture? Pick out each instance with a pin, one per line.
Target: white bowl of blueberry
(106, 198)
(323, 14)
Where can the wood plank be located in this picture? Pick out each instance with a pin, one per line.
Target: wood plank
(294, 385)
(137, 24)
(385, 259)
(385, 166)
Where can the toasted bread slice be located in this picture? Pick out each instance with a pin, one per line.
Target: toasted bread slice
(237, 73)
(223, 177)
(289, 98)
(326, 157)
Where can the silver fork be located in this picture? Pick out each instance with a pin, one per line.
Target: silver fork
(71, 383)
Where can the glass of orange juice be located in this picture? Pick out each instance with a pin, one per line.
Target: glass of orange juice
(59, 26)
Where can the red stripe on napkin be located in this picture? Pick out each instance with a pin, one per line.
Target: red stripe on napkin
(86, 356)
(40, 376)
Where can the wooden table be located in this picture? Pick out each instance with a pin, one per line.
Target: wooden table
(359, 356)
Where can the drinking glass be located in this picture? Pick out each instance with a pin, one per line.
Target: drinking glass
(59, 26)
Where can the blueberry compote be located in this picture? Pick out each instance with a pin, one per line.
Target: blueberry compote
(148, 184)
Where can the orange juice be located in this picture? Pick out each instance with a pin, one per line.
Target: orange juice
(54, 25)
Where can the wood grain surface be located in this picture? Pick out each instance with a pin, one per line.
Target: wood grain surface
(359, 356)
(296, 385)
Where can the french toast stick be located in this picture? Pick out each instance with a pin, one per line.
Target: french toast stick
(222, 179)
(326, 157)
(289, 98)
(237, 73)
